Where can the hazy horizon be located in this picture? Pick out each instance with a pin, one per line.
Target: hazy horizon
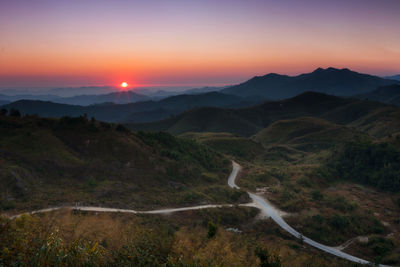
(109, 88)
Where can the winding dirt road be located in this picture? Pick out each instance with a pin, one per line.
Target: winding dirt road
(273, 213)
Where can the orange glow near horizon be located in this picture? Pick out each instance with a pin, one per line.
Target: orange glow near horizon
(192, 42)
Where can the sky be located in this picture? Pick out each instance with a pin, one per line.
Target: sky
(47, 43)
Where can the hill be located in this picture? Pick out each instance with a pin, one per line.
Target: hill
(229, 144)
(83, 100)
(133, 112)
(191, 91)
(341, 82)
(307, 133)
(387, 94)
(43, 97)
(49, 162)
(46, 108)
(372, 117)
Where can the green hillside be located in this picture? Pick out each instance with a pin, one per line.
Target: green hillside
(47, 162)
(306, 133)
(374, 118)
(143, 111)
(229, 144)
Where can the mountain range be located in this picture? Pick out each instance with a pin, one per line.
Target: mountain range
(132, 107)
(377, 119)
(117, 98)
(84, 100)
(133, 112)
(341, 82)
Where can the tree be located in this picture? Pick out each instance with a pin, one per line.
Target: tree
(3, 112)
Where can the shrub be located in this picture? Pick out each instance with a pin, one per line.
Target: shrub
(380, 245)
(339, 222)
(267, 259)
(212, 230)
(317, 195)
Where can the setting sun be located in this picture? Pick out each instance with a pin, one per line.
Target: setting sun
(124, 84)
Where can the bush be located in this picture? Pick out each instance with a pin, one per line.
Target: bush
(212, 230)
(380, 245)
(267, 259)
(317, 195)
(339, 222)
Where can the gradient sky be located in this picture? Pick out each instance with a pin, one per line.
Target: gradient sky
(47, 43)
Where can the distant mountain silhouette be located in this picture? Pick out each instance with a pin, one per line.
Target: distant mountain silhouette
(372, 117)
(3, 102)
(83, 90)
(341, 82)
(123, 97)
(117, 98)
(394, 77)
(163, 93)
(387, 94)
(133, 112)
(17, 97)
(83, 100)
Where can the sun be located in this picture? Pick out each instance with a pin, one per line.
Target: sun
(124, 84)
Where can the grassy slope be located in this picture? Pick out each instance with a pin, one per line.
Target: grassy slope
(180, 239)
(229, 144)
(306, 133)
(284, 168)
(335, 208)
(46, 162)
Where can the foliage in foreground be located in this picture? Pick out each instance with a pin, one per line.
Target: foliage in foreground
(75, 239)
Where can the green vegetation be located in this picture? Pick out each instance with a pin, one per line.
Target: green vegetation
(48, 162)
(338, 227)
(373, 118)
(307, 134)
(324, 160)
(368, 163)
(293, 168)
(229, 144)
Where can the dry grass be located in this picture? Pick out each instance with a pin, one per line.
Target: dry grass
(179, 238)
